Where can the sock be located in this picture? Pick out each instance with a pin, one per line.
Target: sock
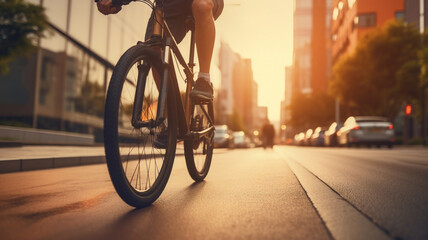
(205, 76)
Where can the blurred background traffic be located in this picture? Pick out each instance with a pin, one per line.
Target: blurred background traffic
(356, 74)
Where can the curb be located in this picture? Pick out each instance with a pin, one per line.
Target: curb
(19, 165)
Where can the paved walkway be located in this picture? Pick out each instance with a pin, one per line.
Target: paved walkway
(38, 152)
(36, 157)
(30, 157)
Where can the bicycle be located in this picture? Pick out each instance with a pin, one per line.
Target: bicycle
(139, 110)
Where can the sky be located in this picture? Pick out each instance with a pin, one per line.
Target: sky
(263, 32)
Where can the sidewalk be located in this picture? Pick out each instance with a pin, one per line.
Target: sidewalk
(37, 157)
(30, 157)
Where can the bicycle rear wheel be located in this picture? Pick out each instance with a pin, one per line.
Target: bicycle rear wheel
(199, 152)
(139, 171)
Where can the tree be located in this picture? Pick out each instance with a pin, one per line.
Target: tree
(235, 122)
(20, 26)
(311, 110)
(381, 74)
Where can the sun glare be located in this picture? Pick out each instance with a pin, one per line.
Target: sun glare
(263, 33)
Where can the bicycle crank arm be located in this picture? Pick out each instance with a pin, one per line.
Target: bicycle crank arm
(202, 134)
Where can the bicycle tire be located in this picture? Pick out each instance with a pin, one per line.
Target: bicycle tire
(198, 163)
(138, 141)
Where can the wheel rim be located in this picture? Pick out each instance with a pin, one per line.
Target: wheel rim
(143, 164)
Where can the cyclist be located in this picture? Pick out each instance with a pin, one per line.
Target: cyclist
(176, 12)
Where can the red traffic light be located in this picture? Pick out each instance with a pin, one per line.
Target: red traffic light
(408, 110)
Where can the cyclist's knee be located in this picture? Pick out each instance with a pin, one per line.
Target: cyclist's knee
(202, 9)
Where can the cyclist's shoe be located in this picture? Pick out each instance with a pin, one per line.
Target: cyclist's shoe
(161, 140)
(202, 90)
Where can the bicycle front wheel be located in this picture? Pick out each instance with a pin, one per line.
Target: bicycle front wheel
(199, 152)
(139, 169)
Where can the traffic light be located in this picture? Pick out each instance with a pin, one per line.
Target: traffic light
(408, 109)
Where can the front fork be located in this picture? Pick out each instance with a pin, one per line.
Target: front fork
(143, 72)
(160, 116)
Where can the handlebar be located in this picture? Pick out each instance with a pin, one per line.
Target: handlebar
(157, 3)
(121, 2)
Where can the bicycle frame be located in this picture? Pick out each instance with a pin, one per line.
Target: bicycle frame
(164, 37)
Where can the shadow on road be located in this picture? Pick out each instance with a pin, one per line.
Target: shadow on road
(155, 219)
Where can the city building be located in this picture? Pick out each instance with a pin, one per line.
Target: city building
(412, 12)
(311, 58)
(238, 94)
(302, 33)
(62, 85)
(285, 112)
(225, 100)
(311, 67)
(243, 94)
(351, 19)
(320, 50)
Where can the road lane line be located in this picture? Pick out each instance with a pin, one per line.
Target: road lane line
(341, 218)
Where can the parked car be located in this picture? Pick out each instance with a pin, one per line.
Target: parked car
(330, 136)
(298, 138)
(307, 139)
(240, 140)
(223, 137)
(366, 130)
(317, 138)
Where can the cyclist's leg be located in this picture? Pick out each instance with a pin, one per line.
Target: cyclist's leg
(204, 12)
(204, 32)
(175, 12)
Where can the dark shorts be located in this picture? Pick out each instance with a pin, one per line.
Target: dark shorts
(176, 13)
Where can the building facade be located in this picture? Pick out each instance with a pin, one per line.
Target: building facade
(62, 85)
(237, 100)
(288, 91)
(302, 61)
(225, 100)
(351, 19)
(311, 58)
(412, 12)
(320, 59)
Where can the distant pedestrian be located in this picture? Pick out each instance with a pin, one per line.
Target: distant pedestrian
(268, 134)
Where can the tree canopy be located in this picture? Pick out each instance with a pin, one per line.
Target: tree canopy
(381, 74)
(20, 25)
(311, 110)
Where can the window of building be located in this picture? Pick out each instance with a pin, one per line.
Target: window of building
(99, 33)
(33, 1)
(399, 15)
(116, 45)
(51, 74)
(48, 78)
(80, 20)
(365, 20)
(53, 42)
(56, 12)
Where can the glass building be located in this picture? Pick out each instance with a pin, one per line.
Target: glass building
(302, 45)
(62, 85)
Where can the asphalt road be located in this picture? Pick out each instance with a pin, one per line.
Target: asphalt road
(285, 193)
(388, 187)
